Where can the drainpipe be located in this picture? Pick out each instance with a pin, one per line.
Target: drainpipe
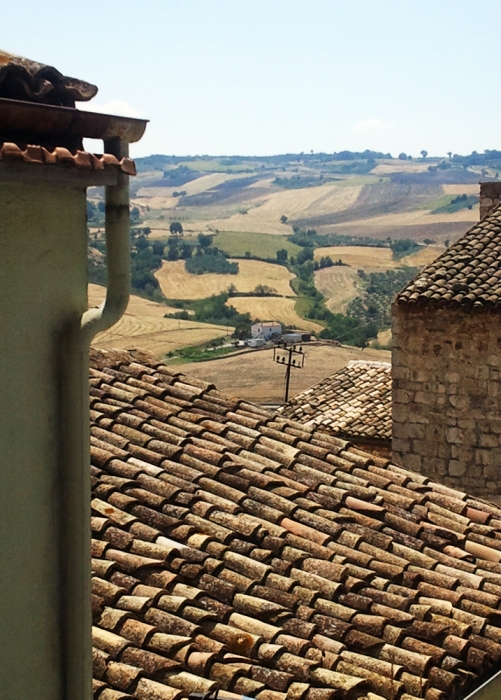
(117, 252)
(75, 458)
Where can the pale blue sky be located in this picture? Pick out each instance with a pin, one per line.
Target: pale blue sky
(258, 77)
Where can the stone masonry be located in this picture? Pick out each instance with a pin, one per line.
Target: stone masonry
(490, 197)
(447, 395)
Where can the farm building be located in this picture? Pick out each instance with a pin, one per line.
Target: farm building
(266, 329)
(447, 361)
(353, 403)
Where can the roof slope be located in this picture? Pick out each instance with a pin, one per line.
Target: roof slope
(355, 402)
(235, 547)
(467, 275)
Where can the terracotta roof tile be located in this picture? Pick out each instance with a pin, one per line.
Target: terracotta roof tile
(38, 155)
(354, 402)
(288, 572)
(466, 275)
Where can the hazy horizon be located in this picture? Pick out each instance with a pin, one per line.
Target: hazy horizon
(263, 77)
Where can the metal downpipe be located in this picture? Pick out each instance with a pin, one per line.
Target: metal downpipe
(75, 475)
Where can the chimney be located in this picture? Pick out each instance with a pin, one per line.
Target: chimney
(490, 197)
(46, 329)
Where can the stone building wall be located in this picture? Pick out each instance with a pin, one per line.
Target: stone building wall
(490, 197)
(447, 396)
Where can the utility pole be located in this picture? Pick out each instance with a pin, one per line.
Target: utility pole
(289, 356)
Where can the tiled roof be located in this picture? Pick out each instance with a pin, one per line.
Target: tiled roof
(236, 548)
(355, 402)
(38, 155)
(467, 275)
(23, 79)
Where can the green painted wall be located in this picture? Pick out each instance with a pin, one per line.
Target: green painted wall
(43, 283)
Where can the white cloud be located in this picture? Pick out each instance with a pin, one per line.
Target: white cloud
(116, 107)
(370, 125)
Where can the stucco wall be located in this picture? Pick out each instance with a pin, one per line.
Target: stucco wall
(43, 291)
(447, 396)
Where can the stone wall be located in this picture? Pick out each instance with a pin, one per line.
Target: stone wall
(490, 197)
(447, 396)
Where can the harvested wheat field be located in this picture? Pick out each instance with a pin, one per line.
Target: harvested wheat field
(421, 217)
(472, 188)
(157, 195)
(255, 377)
(143, 325)
(264, 215)
(375, 259)
(176, 283)
(423, 257)
(279, 309)
(338, 285)
(400, 166)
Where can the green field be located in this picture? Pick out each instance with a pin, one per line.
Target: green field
(263, 245)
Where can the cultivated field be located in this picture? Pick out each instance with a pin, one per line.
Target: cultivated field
(263, 245)
(423, 257)
(389, 167)
(341, 284)
(200, 184)
(338, 285)
(469, 189)
(143, 325)
(279, 309)
(264, 213)
(378, 259)
(365, 257)
(176, 283)
(255, 377)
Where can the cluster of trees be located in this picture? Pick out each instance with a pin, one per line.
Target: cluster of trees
(214, 309)
(310, 237)
(209, 258)
(349, 330)
(298, 182)
(402, 247)
(96, 214)
(260, 290)
(374, 306)
(146, 256)
(489, 158)
(179, 176)
(462, 201)
(177, 249)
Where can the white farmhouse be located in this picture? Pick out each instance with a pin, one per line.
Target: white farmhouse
(266, 329)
